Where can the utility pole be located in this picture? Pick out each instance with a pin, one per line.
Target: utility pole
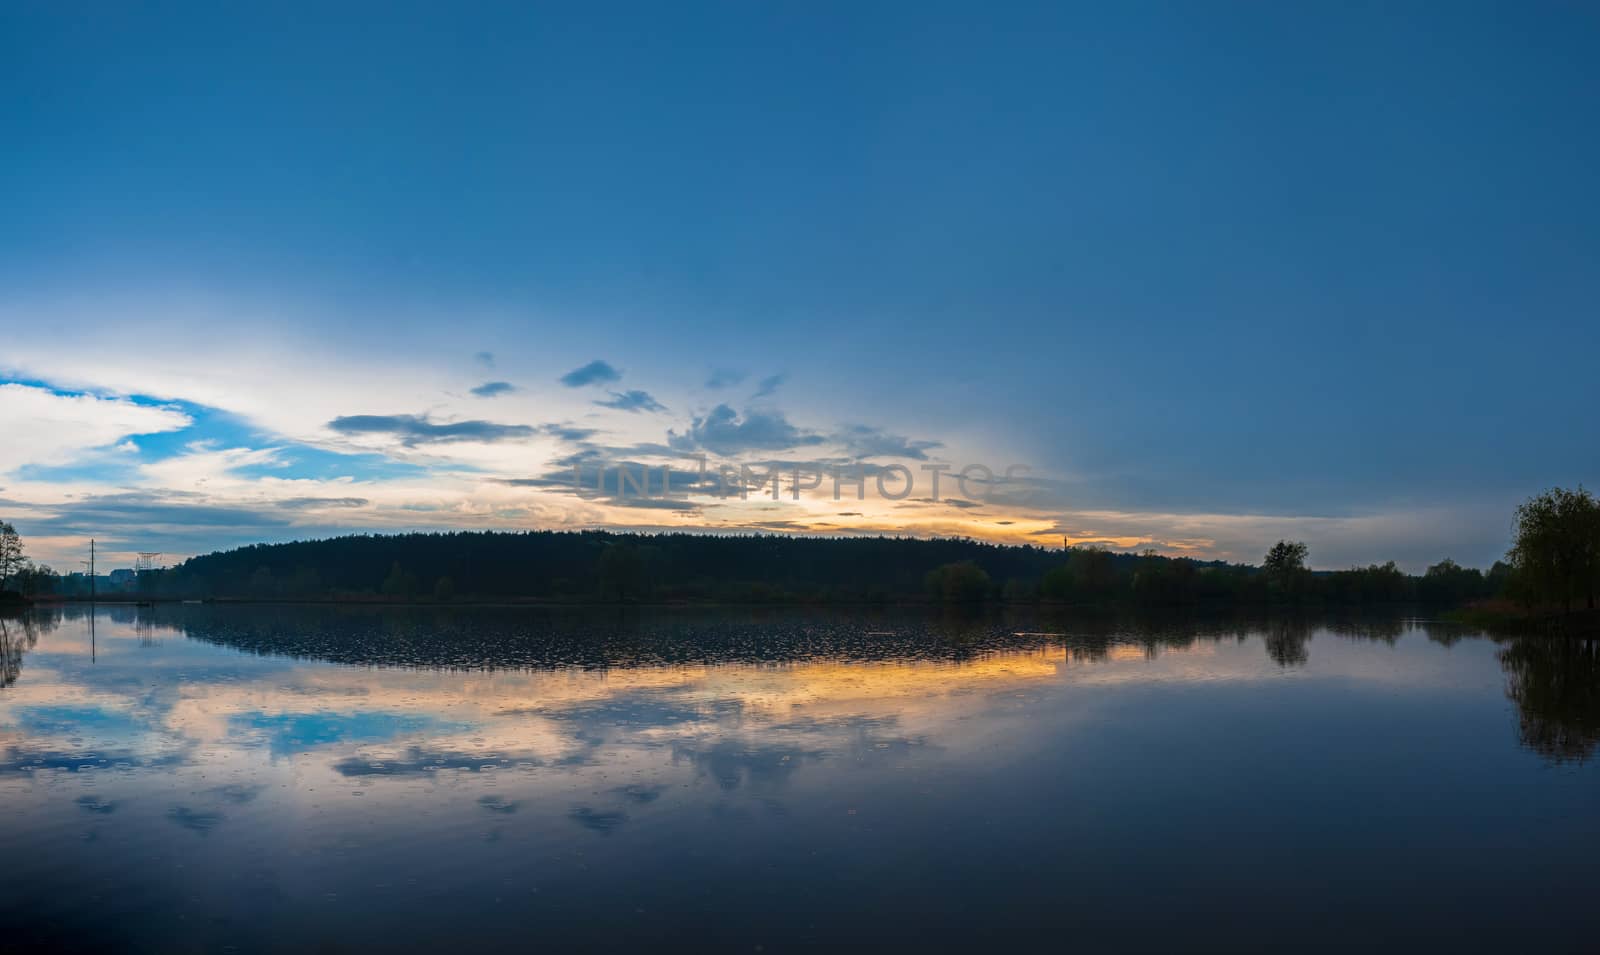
(92, 654)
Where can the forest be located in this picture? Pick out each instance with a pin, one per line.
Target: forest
(1554, 562)
(603, 566)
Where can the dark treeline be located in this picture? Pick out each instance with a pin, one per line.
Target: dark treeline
(631, 568)
(1553, 567)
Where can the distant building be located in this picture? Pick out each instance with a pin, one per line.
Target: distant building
(123, 579)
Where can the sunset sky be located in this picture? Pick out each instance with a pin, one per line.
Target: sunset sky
(1215, 274)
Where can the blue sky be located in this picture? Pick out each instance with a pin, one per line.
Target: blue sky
(1217, 273)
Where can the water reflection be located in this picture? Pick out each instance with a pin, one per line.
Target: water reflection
(19, 633)
(809, 772)
(1555, 682)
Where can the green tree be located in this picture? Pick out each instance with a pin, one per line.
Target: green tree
(959, 582)
(1555, 552)
(444, 590)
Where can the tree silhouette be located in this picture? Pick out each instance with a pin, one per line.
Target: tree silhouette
(1285, 567)
(1556, 550)
(12, 558)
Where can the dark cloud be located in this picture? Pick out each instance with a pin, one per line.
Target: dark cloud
(654, 504)
(141, 511)
(769, 385)
(494, 389)
(682, 478)
(724, 378)
(723, 432)
(303, 503)
(776, 525)
(596, 372)
(632, 401)
(413, 430)
(567, 432)
(865, 442)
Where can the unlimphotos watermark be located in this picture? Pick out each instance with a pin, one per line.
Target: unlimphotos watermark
(894, 482)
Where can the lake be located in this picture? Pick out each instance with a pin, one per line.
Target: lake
(303, 778)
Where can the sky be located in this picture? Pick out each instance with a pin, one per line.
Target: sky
(1202, 275)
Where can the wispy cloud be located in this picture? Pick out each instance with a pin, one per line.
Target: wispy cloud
(567, 432)
(632, 401)
(866, 442)
(769, 386)
(484, 358)
(413, 430)
(494, 389)
(597, 372)
(724, 378)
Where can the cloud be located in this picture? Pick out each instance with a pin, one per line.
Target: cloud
(568, 432)
(724, 377)
(413, 430)
(138, 510)
(45, 427)
(484, 358)
(654, 504)
(865, 442)
(494, 389)
(722, 431)
(304, 503)
(596, 372)
(632, 401)
(769, 386)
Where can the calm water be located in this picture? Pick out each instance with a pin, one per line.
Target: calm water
(242, 779)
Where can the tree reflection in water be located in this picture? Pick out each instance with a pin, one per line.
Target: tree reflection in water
(1286, 640)
(19, 633)
(1555, 682)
